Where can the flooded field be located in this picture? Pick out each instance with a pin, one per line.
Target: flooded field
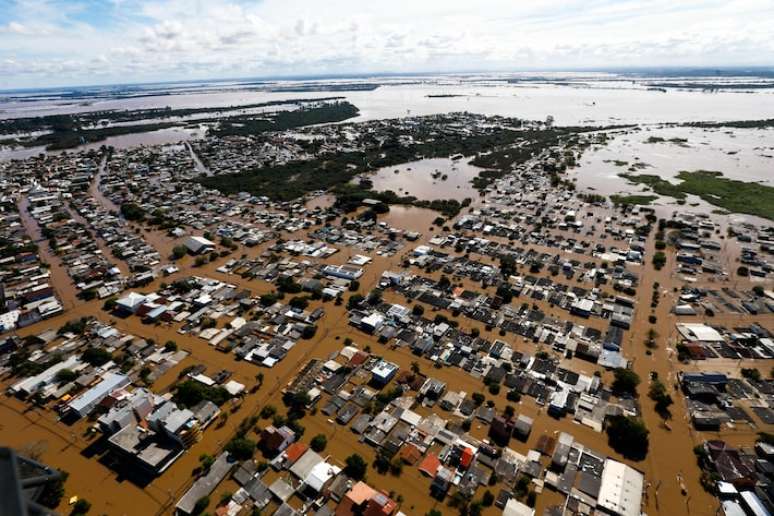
(440, 178)
(740, 154)
(588, 102)
(126, 141)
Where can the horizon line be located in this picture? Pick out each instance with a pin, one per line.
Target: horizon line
(364, 75)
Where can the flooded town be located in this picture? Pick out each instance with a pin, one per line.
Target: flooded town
(303, 307)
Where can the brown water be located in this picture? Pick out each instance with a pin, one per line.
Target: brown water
(740, 154)
(424, 179)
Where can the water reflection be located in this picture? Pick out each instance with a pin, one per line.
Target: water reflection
(438, 178)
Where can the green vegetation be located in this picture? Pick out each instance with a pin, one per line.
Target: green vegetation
(626, 200)
(319, 442)
(495, 150)
(628, 436)
(241, 448)
(131, 211)
(206, 461)
(659, 394)
(659, 260)
(712, 187)
(70, 130)
(659, 139)
(268, 412)
(626, 381)
(356, 467)
(66, 376)
(190, 392)
(738, 124)
(76, 326)
(96, 356)
(283, 120)
(179, 251)
(751, 373)
(349, 197)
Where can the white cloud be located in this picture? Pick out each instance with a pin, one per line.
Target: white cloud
(173, 39)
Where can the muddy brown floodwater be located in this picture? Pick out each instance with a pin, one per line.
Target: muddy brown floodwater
(437, 178)
(670, 453)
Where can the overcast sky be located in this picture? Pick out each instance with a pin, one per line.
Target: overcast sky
(71, 42)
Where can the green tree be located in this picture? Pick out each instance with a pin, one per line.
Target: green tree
(241, 448)
(356, 467)
(96, 356)
(659, 260)
(659, 394)
(626, 381)
(179, 251)
(628, 436)
(206, 461)
(66, 375)
(319, 442)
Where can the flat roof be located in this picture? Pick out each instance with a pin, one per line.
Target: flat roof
(206, 484)
(621, 489)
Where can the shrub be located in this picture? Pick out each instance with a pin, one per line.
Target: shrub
(319, 442)
(514, 396)
(659, 260)
(179, 251)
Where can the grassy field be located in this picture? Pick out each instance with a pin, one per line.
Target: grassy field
(730, 194)
(643, 200)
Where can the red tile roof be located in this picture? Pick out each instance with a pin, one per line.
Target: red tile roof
(294, 451)
(430, 465)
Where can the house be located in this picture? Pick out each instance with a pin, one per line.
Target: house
(515, 508)
(346, 272)
(383, 372)
(372, 323)
(364, 499)
(523, 427)
(276, 440)
(146, 450)
(205, 485)
(319, 476)
(33, 384)
(86, 402)
(305, 464)
(198, 245)
(500, 430)
(582, 307)
(130, 303)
